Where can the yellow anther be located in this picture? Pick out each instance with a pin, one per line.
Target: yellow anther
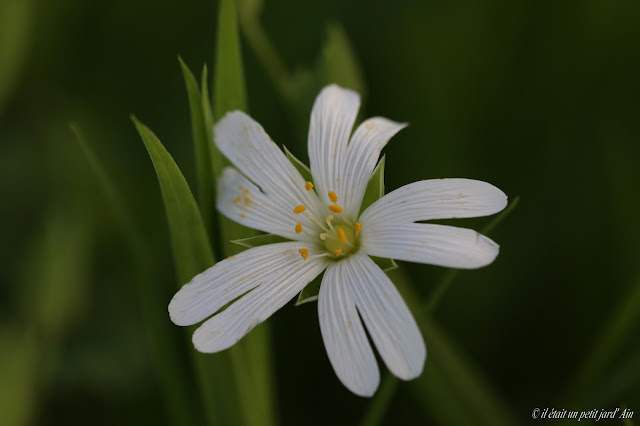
(358, 227)
(298, 228)
(337, 252)
(246, 192)
(299, 209)
(336, 208)
(308, 186)
(333, 197)
(342, 236)
(237, 200)
(304, 253)
(242, 215)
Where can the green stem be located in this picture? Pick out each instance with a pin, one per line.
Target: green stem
(170, 371)
(381, 401)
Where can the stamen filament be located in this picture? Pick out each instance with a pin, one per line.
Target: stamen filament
(317, 222)
(321, 255)
(329, 219)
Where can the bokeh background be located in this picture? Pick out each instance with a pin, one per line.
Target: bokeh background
(540, 98)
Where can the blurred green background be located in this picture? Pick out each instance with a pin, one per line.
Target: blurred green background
(540, 98)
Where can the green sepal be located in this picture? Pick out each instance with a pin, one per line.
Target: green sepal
(385, 264)
(259, 240)
(375, 187)
(299, 165)
(310, 292)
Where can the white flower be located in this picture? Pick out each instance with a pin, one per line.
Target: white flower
(266, 192)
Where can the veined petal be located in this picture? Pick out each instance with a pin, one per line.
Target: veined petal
(440, 245)
(332, 118)
(344, 337)
(274, 291)
(243, 202)
(361, 158)
(436, 199)
(388, 320)
(245, 143)
(230, 278)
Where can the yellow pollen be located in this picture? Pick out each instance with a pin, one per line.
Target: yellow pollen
(242, 215)
(335, 208)
(298, 228)
(333, 197)
(337, 252)
(304, 253)
(342, 236)
(358, 227)
(246, 192)
(308, 186)
(237, 200)
(299, 209)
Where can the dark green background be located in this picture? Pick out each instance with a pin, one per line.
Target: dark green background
(540, 98)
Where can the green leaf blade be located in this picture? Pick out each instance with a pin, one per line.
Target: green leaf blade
(229, 88)
(190, 244)
(202, 145)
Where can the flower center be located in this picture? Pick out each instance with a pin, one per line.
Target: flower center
(340, 237)
(342, 241)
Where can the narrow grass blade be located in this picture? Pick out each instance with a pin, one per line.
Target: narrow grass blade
(251, 357)
(202, 144)
(190, 244)
(170, 367)
(229, 89)
(192, 254)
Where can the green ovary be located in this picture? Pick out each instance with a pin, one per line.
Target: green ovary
(333, 242)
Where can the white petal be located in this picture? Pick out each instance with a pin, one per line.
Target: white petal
(243, 202)
(275, 290)
(245, 143)
(436, 199)
(332, 118)
(344, 338)
(428, 243)
(387, 318)
(231, 278)
(361, 159)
